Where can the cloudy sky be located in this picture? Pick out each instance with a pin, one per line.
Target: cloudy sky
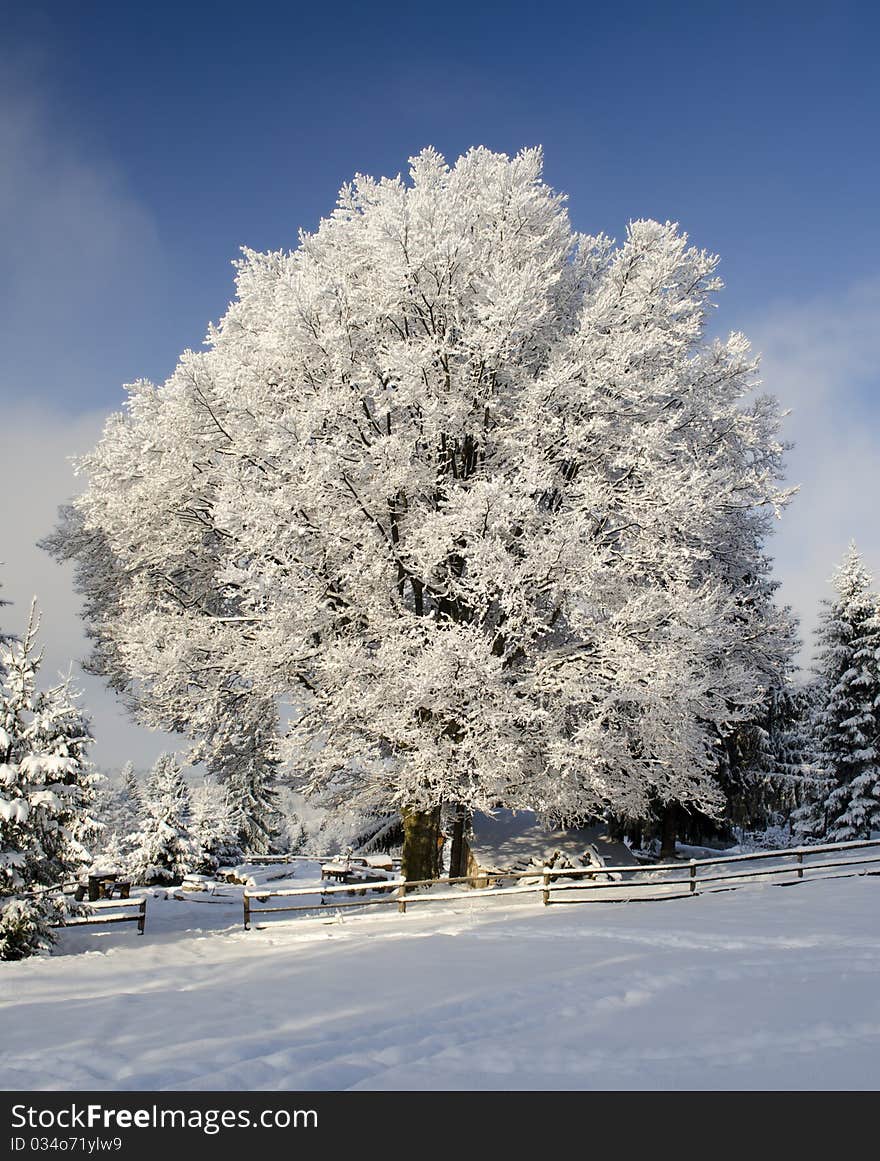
(140, 146)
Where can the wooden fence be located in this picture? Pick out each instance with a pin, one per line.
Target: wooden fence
(644, 882)
(272, 860)
(108, 911)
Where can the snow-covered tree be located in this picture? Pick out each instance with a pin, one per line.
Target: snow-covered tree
(241, 753)
(770, 765)
(163, 848)
(120, 809)
(848, 718)
(5, 638)
(215, 829)
(294, 834)
(808, 818)
(470, 495)
(132, 790)
(47, 788)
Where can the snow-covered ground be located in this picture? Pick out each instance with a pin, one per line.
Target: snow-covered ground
(764, 987)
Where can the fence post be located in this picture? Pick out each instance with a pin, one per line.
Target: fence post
(247, 911)
(142, 915)
(401, 898)
(800, 859)
(546, 891)
(693, 876)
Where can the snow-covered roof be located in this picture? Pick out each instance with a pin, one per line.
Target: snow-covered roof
(507, 838)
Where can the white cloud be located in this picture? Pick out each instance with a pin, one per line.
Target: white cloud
(35, 446)
(819, 358)
(82, 257)
(79, 254)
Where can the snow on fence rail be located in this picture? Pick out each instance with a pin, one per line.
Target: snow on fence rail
(258, 860)
(684, 879)
(268, 860)
(132, 911)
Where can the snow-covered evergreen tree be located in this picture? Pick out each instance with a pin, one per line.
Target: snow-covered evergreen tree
(771, 769)
(163, 848)
(216, 825)
(848, 717)
(119, 808)
(5, 638)
(470, 495)
(809, 821)
(47, 789)
(132, 790)
(241, 753)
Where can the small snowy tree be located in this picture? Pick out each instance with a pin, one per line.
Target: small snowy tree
(241, 753)
(848, 717)
(5, 638)
(132, 791)
(120, 810)
(163, 848)
(216, 824)
(47, 788)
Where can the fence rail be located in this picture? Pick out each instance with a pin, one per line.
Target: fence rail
(547, 881)
(136, 907)
(271, 860)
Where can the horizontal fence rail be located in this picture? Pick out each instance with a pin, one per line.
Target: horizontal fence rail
(108, 911)
(643, 882)
(271, 860)
(260, 895)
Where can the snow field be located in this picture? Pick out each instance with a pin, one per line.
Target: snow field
(761, 988)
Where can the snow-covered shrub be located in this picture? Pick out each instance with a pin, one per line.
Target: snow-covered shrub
(26, 924)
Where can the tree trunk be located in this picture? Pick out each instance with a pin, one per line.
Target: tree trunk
(456, 857)
(668, 831)
(421, 843)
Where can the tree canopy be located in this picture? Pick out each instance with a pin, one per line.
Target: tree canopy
(470, 495)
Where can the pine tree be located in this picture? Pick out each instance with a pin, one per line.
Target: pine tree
(809, 822)
(216, 824)
(163, 848)
(5, 638)
(47, 789)
(132, 789)
(121, 811)
(848, 718)
(772, 766)
(241, 755)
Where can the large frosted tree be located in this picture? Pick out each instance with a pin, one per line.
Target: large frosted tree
(468, 495)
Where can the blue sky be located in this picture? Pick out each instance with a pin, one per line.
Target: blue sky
(142, 145)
